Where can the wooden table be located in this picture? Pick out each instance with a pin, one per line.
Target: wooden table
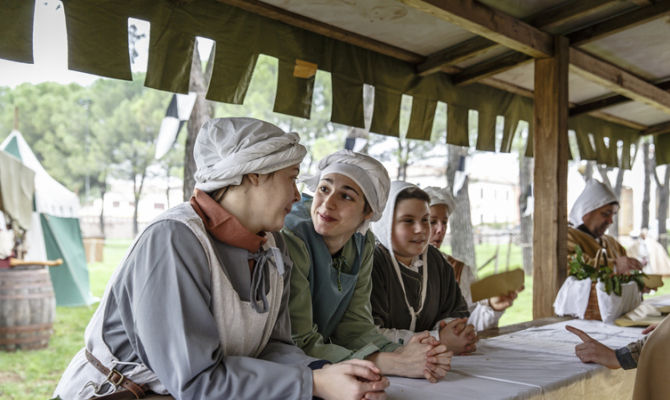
(505, 366)
(503, 330)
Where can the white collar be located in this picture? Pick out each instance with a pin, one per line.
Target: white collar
(414, 265)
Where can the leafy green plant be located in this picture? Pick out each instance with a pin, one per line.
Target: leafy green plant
(604, 273)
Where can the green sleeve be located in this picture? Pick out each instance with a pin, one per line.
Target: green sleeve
(304, 330)
(357, 329)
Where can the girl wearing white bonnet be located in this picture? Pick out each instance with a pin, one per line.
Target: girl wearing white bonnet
(199, 306)
(442, 205)
(331, 249)
(485, 313)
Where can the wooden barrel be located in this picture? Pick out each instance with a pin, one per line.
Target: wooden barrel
(27, 308)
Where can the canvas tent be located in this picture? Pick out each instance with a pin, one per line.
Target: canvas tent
(54, 231)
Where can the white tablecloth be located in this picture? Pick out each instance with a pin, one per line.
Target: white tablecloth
(533, 363)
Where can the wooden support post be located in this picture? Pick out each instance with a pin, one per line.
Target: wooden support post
(550, 144)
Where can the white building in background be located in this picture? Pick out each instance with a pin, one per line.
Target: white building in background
(493, 184)
(493, 189)
(494, 202)
(120, 206)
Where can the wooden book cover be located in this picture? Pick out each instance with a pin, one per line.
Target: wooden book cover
(653, 281)
(497, 284)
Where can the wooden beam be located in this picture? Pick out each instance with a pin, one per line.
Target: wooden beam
(617, 120)
(502, 85)
(489, 23)
(619, 80)
(509, 87)
(563, 13)
(490, 67)
(620, 23)
(333, 32)
(454, 55)
(450, 69)
(597, 104)
(566, 12)
(658, 129)
(607, 101)
(550, 139)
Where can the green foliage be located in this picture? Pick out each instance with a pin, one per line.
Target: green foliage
(603, 273)
(52, 122)
(134, 125)
(82, 133)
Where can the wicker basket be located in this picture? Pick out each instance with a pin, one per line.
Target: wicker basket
(592, 309)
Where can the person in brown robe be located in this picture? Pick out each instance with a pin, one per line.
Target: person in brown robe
(590, 217)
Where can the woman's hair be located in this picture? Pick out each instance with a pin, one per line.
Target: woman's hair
(412, 192)
(218, 194)
(366, 208)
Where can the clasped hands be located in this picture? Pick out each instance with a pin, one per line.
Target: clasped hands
(459, 336)
(425, 357)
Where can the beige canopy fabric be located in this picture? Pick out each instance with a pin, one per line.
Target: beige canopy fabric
(17, 188)
(98, 44)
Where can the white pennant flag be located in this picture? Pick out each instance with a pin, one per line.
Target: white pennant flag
(460, 175)
(178, 112)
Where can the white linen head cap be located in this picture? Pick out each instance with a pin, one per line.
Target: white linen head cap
(595, 195)
(226, 149)
(383, 229)
(441, 196)
(368, 173)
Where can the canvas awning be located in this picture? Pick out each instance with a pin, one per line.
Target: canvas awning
(398, 47)
(599, 67)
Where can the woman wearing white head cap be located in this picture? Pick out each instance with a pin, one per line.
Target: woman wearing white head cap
(332, 251)
(199, 306)
(590, 217)
(413, 287)
(485, 313)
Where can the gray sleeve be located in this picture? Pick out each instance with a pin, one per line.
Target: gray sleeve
(281, 347)
(625, 358)
(629, 355)
(171, 327)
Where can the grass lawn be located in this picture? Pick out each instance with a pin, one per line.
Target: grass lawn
(34, 374)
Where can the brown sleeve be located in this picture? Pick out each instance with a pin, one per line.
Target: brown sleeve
(457, 265)
(573, 242)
